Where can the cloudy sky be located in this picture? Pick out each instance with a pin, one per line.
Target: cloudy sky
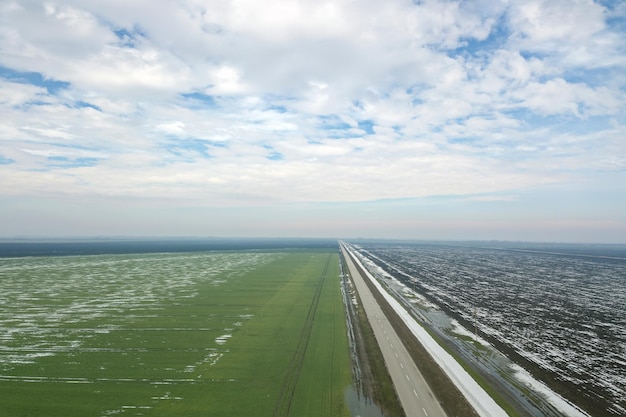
(425, 119)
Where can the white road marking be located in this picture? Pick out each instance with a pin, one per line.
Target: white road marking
(411, 402)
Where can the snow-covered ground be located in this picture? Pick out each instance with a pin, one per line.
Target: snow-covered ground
(44, 302)
(564, 312)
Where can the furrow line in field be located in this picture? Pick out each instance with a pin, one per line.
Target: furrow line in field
(285, 398)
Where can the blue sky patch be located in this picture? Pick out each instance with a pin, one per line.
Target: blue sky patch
(275, 156)
(182, 147)
(338, 134)
(65, 162)
(82, 104)
(462, 140)
(592, 77)
(496, 40)
(367, 126)
(6, 161)
(332, 122)
(126, 38)
(200, 98)
(129, 38)
(33, 78)
(584, 126)
(31, 103)
(278, 109)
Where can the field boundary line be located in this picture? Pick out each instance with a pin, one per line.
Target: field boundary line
(285, 397)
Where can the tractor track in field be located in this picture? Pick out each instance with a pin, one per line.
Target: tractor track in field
(285, 397)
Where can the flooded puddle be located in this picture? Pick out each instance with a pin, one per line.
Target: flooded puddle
(361, 406)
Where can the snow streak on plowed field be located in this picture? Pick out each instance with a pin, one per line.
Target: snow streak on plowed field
(53, 305)
(565, 312)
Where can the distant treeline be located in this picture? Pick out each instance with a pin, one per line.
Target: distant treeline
(22, 248)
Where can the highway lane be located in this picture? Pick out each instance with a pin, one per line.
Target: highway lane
(413, 391)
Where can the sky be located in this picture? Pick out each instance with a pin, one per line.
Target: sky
(428, 119)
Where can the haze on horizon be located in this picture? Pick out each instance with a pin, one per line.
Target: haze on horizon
(398, 119)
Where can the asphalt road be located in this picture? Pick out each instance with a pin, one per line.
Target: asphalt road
(414, 393)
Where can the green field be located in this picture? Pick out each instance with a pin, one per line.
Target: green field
(196, 334)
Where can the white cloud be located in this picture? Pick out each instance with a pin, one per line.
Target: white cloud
(544, 23)
(278, 20)
(557, 96)
(574, 33)
(190, 98)
(124, 69)
(18, 94)
(225, 80)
